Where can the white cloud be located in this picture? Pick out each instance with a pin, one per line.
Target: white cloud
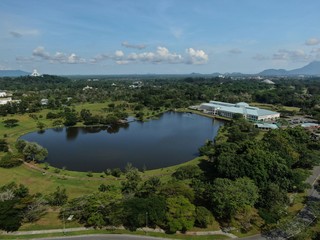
(196, 56)
(40, 52)
(136, 46)
(119, 53)
(312, 41)
(293, 55)
(297, 55)
(122, 62)
(58, 57)
(160, 55)
(163, 55)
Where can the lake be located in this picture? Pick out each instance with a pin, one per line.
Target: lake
(172, 139)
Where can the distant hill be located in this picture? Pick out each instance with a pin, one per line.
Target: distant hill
(312, 68)
(13, 73)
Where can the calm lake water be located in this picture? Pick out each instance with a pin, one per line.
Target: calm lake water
(172, 139)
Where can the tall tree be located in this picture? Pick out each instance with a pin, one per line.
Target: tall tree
(180, 214)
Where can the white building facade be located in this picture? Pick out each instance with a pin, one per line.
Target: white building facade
(228, 110)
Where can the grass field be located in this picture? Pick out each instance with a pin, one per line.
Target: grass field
(275, 107)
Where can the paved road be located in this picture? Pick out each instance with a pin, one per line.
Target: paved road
(113, 236)
(105, 237)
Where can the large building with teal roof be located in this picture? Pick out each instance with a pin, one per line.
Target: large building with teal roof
(228, 110)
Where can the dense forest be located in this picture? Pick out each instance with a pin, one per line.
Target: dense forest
(244, 179)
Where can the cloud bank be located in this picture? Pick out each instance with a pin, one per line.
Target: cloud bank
(58, 57)
(312, 41)
(160, 55)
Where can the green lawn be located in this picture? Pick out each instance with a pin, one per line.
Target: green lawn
(36, 181)
(275, 107)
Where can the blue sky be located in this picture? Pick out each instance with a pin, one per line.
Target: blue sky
(158, 36)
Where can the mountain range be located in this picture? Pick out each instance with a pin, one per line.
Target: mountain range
(311, 69)
(13, 73)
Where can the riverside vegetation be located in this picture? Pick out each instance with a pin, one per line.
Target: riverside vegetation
(244, 180)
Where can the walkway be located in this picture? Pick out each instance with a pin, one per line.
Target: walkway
(204, 233)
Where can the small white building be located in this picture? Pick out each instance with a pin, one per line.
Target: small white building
(268, 81)
(44, 101)
(3, 94)
(35, 73)
(87, 88)
(4, 101)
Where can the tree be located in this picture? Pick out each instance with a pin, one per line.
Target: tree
(203, 217)
(133, 178)
(176, 188)
(20, 144)
(10, 215)
(10, 123)
(96, 210)
(139, 212)
(272, 203)
(14, 200)
(103, 187)
(116, 172)
(34, 152)
(180, 214)
(70, 119)
(58, 197)
(35, 210)
(150, 187)
(85, 114)
(41, 126)
(228, 196)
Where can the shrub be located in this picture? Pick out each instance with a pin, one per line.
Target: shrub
(186, 172)
(3, 145)
(10, 161)
(116, 172)
(108, 172)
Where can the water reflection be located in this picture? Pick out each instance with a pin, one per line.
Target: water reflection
(72, 133)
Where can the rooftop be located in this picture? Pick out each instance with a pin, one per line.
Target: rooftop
(241, 107)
